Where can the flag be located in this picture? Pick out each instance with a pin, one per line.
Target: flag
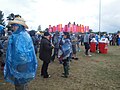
(50, 29)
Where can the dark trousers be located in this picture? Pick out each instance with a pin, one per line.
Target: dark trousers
(86, 52)
(21, 87)
(87, 47)
(44, 69)
(66, 66)
(110, 42)
(81, 43)
(96, 46)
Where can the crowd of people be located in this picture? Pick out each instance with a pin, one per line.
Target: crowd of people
(19, 49)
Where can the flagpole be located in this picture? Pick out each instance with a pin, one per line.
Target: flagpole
(99, 16)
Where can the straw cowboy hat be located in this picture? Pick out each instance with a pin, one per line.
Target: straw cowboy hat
(18, 20)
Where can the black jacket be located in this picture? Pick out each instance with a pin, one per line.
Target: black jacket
(45, 51)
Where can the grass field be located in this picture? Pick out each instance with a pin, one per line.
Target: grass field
(99, 72)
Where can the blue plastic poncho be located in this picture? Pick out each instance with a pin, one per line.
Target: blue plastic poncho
(1, 27)
(119, 41)
(66, 48)
(21, 62)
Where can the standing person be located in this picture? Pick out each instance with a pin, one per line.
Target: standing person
(82, 39)
(78, 42)
(87, 44)
(55, 41)
(45, 53)
(74, 42)
(3, 44)
(21, 62)
(35, 40)
(114, 39)
(110, 39)
(118, 39)
(65, 53)
(3, 48)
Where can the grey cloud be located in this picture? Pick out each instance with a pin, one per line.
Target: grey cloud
(110, 17)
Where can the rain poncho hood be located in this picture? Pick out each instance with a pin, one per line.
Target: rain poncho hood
(21, 62)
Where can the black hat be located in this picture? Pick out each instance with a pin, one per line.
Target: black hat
(9, 32)
(46, 33)
(66, 33)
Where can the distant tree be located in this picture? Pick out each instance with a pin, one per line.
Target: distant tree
(69, 24)
(90, 30)
(11, 16)
(2, 18)
(118, 31)
(46, 30)
(103, 33)
(73, 23)
(96, 33)
(17, 16)
(39, 28)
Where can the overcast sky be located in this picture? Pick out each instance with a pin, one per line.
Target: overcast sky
(53, 12)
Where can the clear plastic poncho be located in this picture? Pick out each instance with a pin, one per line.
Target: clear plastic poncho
(21, 62)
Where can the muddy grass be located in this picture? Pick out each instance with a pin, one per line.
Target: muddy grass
(99, 72)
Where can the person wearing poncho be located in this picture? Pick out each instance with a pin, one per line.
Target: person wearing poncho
(65, 53)
(21, 62)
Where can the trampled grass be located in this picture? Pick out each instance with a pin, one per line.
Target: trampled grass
(99, 72)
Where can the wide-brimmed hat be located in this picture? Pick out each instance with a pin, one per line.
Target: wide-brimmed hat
(18, 20)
